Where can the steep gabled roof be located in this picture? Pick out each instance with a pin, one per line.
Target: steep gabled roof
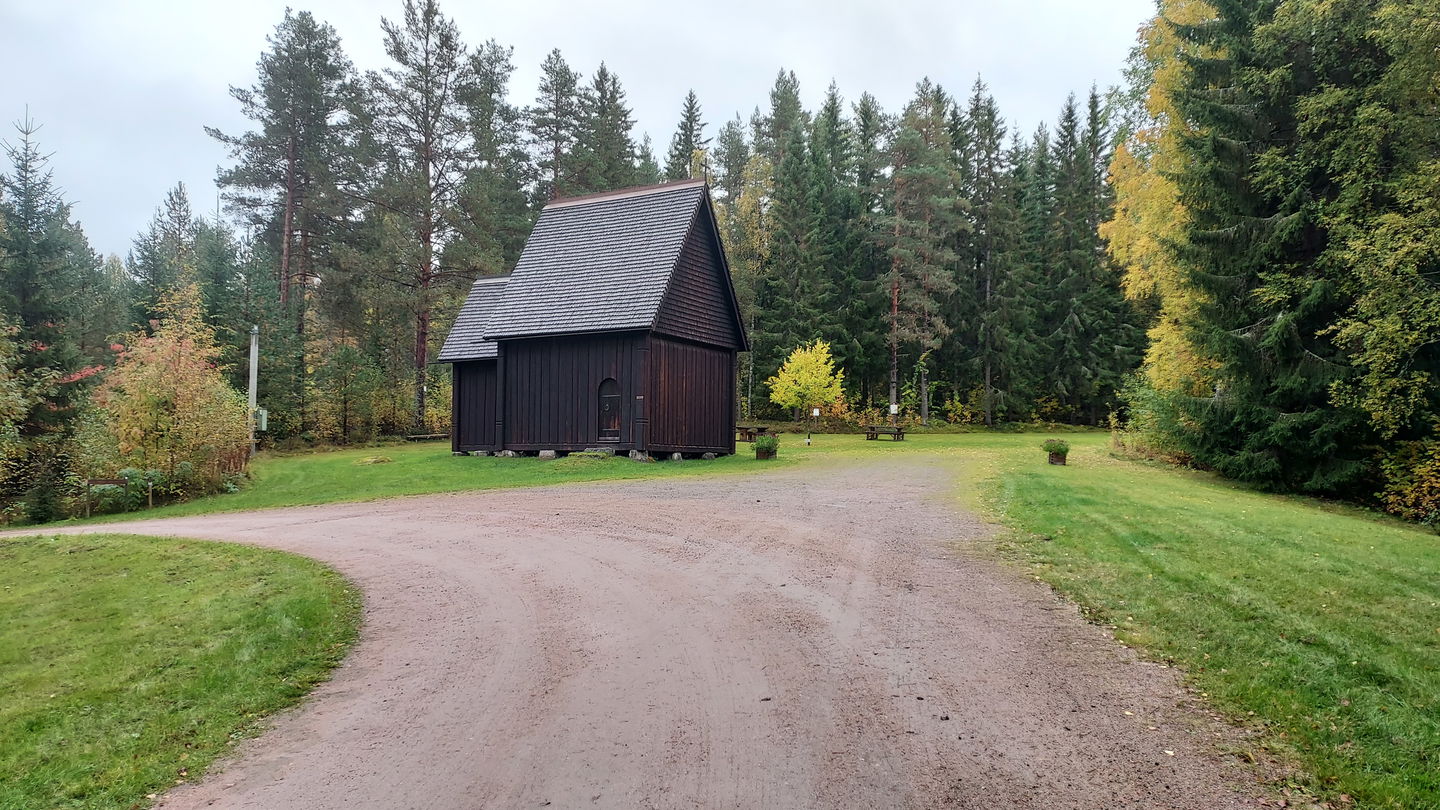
(597, 264)
(466, 340)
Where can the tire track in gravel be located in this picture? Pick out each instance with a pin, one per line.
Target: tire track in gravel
(824, 637)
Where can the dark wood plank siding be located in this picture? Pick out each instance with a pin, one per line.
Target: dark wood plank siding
(697, 303)
(552, 389)
(473, 390)
(691, 396)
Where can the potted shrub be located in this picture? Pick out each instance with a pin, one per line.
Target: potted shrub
(1058, 450)
(766, 446)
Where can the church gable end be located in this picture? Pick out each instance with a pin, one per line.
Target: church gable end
(698, 303)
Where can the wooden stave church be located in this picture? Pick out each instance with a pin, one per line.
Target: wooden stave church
(618, 328)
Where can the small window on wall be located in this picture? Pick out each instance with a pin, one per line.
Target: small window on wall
(609, 410)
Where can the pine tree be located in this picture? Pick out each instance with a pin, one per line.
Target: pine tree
(925, 211)
(425, 138)
(688, 139)
(290, 170)
(555, 126)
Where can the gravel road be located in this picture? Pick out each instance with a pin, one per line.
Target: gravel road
(827, 637)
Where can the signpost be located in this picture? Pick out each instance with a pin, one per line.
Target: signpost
(254, 379)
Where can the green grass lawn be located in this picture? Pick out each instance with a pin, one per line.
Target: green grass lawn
(1323, 621)
(127, 664)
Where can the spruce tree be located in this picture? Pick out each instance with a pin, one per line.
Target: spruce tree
(163, 257)
(870, 267)
(848, 314)
(688, 139)
(993, 276)
(45, 264)
(1263, 173)
(554, 123)
(605, 150)
(494, 216)
(791, 296)
(647, 169)
(732, 152)
(773, 131)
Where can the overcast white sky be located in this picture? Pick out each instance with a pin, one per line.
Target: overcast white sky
(123, 89)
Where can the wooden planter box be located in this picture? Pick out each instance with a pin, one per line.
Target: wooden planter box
(1057, 458)
(764, 455)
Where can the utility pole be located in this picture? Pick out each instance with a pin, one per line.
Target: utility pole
(254, 380)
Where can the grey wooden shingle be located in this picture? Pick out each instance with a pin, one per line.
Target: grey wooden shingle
(596, 264)
(466, 340)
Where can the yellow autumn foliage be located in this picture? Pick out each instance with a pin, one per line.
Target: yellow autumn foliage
(1149, 212)
(808, 379)
(166, 403)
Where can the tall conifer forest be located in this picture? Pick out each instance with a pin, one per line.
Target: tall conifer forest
(1232, 259)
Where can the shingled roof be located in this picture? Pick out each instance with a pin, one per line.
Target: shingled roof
(597, 264)
(466, 340)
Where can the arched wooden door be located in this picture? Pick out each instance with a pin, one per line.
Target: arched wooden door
(609, 411)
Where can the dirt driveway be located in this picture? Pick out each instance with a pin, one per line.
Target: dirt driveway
(832, 637)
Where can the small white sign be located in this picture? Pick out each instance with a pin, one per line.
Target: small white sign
(894, 409)
(814, 411)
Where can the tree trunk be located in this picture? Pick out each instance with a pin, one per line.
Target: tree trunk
(987, 344)
(302, 276)
(894, 341)
(424, 277)
(287, 222)
(924, 395)
(422, 337)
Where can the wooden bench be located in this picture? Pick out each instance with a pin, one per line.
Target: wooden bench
(749, 433)
(896, 434)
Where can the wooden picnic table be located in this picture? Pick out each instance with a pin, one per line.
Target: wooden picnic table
(896, 434)
(748, 433)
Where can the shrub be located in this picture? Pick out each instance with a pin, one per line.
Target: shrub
(168, 407)
(1155, 427)
(1057, 446)
(1412, 481)
(768, 444)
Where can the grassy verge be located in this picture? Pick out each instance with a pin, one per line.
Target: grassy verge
(127, 664)
(1320, 623)
(421, 468)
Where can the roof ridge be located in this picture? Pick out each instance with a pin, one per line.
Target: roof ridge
(622, 193)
